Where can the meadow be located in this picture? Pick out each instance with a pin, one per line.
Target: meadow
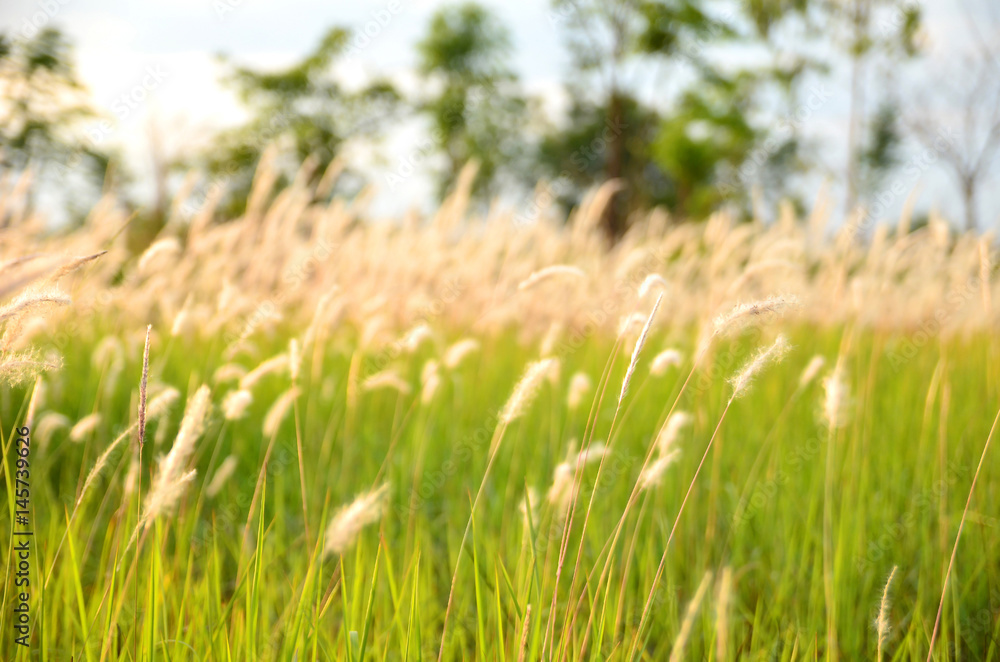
(495, 438)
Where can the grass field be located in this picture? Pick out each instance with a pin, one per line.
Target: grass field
(480, 536)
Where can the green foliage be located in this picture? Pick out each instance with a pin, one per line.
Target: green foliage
(881, 152)
(690, 160)
(44, 110)
(476, 112)
(303, 111)
(709, 133)
(228, 580)
(574, 156)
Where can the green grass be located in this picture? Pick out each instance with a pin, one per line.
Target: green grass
(234, 578)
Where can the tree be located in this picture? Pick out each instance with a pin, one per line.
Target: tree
(301, 109)
(692, 159)
(45, 109)
(603, 38)
(476, 111)
(967, 147)
(574, 156)
(867, 30)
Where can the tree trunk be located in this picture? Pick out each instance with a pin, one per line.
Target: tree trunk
(854, 128)
(969, 200)
(614, 213)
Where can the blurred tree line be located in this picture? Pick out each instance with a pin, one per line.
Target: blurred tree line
(727, 129)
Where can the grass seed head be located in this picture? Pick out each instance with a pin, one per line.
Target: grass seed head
(666, 359)
(579, 386)
(554, 271)
(742, 380)
(343, 529)
(457, 352)
(526, 389)
(235, 404)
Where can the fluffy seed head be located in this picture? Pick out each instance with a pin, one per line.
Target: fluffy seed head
(235, 404)
(742, 380)
(526, 389)
(171, 477)
(671, 430)
(223, 474)
(84, 427)
(294, 359)
(273, 364)
(345, 526)
(37, 400)
(159, 251)
(389, 379)
(29, 301)
(557, 270)
(811, 370)
(161, 403)
(835, 397)
(276, 414)
(882, 625)
(228, 372)
(665, 359)
(564, 476)
(653, 474)
(415, 337)
(637, 350)
(579, 387)
(455, 354)
(430, 381)
(744, 314)
(652, 281)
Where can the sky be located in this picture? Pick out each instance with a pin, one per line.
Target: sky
(152, 66)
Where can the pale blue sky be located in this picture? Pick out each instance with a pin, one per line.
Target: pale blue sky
(151, 64)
